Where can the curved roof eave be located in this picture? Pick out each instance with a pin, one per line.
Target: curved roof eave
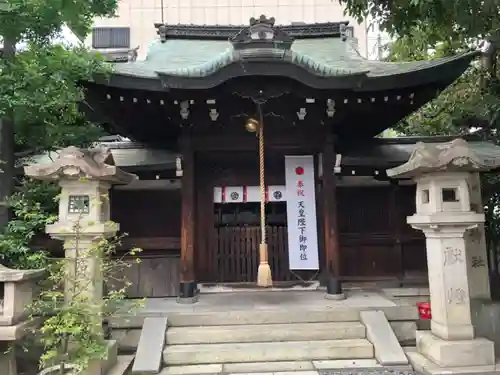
(363, 75)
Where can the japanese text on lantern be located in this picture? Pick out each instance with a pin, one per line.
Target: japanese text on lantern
(301, 215)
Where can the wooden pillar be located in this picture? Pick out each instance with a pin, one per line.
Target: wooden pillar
(188, 291)
(330, 229)
(396, 228)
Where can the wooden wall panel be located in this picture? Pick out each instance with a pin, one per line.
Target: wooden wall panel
(156, 275)
(152, 220)
(147, 213)
(370, 244)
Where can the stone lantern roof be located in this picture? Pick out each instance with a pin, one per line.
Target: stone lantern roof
(74, 163)
(454, 156)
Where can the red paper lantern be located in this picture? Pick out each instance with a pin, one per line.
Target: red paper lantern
(424, 310)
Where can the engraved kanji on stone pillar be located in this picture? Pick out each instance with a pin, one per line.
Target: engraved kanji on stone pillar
(475, 245)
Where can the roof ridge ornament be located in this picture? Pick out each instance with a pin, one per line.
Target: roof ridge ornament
(162, 32)
(262, 33)
(262, 20)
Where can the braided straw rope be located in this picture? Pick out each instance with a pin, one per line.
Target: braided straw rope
(262, 181)
(264, 277)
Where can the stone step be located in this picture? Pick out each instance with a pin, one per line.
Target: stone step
(292, 316)
(267, 352)
(265, 333)
(270, 367)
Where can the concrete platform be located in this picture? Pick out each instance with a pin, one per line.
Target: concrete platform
(234, 303)
(424, 366)
(218, 310)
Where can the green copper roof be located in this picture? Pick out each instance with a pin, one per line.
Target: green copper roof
(202, 57)
(323, 59)
(324, 56)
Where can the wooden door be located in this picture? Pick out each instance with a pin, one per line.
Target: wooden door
(237, 238)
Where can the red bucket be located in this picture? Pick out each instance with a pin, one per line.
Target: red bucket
(424, 310)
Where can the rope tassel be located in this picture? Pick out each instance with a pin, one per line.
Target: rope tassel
(264, 277)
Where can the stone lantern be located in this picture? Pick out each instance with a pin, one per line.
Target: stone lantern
(445, 174)
(85, 177)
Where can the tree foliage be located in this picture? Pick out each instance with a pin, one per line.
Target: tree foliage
(39, 91)
(464, 106)
(71, 333)
(38, 87)
(424, 30)
(39, 20)
(457, 20)
(34, 207)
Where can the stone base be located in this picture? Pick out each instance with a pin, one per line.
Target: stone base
(335, 297)
(459, 353)
(188, 300)
(18, 331)
(188, 292)
(422, 365)
(8, 363)
(102, 366)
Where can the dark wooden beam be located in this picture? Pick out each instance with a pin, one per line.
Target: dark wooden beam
(151, 243)
(188, 286)
(299, 141)
(329, 197)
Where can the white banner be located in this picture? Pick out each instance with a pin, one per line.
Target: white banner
(233, 194)
(301, 213)
(276, 193)
(243, 194)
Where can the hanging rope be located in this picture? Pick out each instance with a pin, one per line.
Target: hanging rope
(264, 277)
(262, 182)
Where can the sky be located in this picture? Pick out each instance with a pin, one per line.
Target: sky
(67, 38)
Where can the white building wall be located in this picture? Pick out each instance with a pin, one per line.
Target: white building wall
(377, 41)
(140, 15)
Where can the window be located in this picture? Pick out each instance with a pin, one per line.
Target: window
(111, 37)
(425, 196)
(449, 195)
(248, 214)
(349, 31)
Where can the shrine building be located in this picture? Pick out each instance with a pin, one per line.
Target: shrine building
(198, 109)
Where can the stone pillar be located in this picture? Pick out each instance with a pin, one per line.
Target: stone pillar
(19, 290)
(475, 242)
(444, 214)
(85, 177)
(448, 277)
(8, 363)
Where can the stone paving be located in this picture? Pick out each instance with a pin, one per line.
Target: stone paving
(269, 301)
(366, 371)
(323, 367)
